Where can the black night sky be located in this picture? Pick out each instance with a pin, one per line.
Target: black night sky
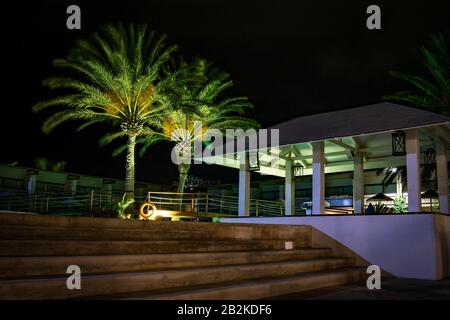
(289, 57)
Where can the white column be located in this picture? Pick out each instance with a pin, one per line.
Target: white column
(399, 185)
(244, 187)
(289, 188)
(442, 176)
(413, 170)
(358, 183)
(318, 179)
(30, 181)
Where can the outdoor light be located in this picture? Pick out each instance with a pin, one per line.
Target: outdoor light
(298, 170)
(398, 143)
(253, 161)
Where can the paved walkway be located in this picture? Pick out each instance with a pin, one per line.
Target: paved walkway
(391, 289)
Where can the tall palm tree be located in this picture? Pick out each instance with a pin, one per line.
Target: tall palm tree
(116, 78)
(431, 92)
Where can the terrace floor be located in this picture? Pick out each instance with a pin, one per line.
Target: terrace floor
(391, 289)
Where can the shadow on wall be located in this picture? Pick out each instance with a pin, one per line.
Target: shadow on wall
(320, 239)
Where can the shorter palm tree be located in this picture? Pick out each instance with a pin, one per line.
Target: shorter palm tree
(209, 108)
(431, 92)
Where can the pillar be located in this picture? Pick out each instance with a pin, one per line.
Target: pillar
(413, 170)
(442, 177)
(358, 183)
(318, 178)
(30, 181)
(289, 188)
(72, 184)
(244, 187)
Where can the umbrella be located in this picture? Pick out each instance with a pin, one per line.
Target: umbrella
(380, 197)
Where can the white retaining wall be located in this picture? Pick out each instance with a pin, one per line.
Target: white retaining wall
(408, 245)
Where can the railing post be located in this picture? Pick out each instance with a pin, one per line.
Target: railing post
(192, 202)
(46, 204)
(206, 203)
(91, 200)
(34, 202)
(257, 205)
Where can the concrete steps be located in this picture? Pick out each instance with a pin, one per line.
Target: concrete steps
(261, 288)
(84, 247)
(11, 267)
(161, 260)
(94, 285)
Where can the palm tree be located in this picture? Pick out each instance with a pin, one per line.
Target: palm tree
(201, 101)
(116, 78)
(431, 92)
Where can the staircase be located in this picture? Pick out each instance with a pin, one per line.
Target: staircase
(161, 260)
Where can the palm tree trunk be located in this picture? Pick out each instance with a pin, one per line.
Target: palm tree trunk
(130, 167)
(183, 169)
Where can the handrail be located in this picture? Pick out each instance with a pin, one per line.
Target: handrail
(201, 202)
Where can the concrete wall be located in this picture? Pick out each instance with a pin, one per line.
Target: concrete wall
(409, 246)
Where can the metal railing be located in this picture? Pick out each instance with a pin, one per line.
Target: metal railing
(211, 203)
(96, 201)
(60, 203)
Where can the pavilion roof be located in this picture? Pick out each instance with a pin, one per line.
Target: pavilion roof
(369, 119)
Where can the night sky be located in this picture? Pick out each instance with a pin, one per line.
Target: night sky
(290, 58)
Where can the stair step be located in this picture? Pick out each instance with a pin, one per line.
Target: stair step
(15, 232)
(55, 233)
(262, 288)
(209, 229)
(123, 283)
(85, 247)
(42, 266)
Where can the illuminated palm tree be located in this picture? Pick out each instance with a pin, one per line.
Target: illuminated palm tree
(206, 105)
(115, 78)
(431, 92)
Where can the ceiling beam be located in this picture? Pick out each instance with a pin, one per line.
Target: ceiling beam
(344, 145)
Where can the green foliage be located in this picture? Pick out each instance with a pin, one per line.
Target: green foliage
(400, 205)
(121, 206)
(431, 92)
(115, 76)
(202, 101)
(43, 163)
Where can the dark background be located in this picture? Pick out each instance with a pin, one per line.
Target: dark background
(290, 58)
